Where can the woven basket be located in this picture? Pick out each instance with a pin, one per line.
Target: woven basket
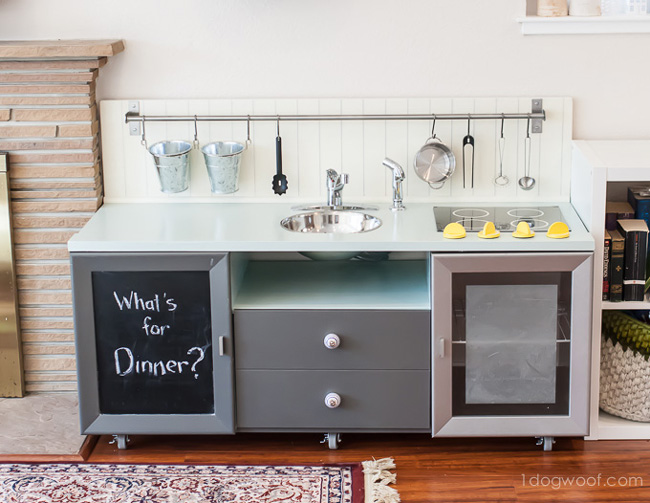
(624, 367)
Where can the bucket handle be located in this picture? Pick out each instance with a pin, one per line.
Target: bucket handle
(143, 139)
(195, 143)
(248, 132)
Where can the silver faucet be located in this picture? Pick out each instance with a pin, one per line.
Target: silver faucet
(398, 178)
(335, 183)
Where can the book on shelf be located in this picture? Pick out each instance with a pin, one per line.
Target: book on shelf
(616, 266)
(639, 199)
(635, 232)
(615, 210)
(607, 248)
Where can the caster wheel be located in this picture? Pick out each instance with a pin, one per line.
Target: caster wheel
(548, 443)
(332, 440)
(120, 440)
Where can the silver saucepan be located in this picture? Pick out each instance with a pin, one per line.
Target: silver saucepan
(434, 162)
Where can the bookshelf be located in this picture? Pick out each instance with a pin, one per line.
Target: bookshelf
(606, 305)
(603, 170)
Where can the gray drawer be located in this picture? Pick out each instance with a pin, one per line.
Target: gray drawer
(370, 400)
(267, 339)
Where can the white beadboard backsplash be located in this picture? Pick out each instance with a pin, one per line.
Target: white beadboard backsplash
(353, 147)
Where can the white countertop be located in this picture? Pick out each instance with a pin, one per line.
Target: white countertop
(255, 227)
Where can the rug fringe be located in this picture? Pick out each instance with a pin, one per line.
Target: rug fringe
(377, 476)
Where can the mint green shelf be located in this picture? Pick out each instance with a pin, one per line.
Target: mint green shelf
(396, 285)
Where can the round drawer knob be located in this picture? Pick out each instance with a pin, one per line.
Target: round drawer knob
(332, 341)
(333, 400)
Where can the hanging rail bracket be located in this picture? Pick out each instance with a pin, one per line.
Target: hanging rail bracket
(536, 123)
(134, 111)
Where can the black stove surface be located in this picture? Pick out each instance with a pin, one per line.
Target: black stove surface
(505, 218)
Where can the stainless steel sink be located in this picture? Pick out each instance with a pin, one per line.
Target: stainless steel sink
(329, 221)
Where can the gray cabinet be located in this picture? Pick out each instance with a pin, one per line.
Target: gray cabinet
(154, 342)
(511, 339)
(377, 370)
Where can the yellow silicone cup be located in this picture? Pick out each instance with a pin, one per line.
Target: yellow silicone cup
(523, 231)
(558, 230)
(454, 231)
(489, 231)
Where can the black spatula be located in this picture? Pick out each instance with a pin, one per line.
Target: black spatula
(279, 183)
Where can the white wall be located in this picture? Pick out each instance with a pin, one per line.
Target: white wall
(349, 48)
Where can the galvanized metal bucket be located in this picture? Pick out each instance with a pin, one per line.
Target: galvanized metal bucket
(172, 162)
(222, 159)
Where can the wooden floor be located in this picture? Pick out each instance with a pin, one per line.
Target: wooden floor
(430, 470)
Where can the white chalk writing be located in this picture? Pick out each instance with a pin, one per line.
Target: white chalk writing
(127, 363)
(137, 302)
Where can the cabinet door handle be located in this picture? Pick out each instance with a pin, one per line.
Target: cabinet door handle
(441, 348)
(333, 400)
(332, 341)
(222, 344)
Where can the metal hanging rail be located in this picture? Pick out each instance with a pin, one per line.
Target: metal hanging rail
(131, 117)
(536, 116)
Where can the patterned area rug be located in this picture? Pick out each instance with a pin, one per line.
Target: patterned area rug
(109, 483)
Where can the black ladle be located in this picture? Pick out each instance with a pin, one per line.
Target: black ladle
(468, 141)
(279, 183)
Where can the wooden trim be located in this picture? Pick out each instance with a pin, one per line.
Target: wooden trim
(88, 446)
(28, 49)
(85, 64)
(45, 88)
(82, 77)
(42, 458)
(82, 455)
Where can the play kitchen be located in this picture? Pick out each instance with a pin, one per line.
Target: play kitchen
(343, 306)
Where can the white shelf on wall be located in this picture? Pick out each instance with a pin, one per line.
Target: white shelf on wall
(574, 25)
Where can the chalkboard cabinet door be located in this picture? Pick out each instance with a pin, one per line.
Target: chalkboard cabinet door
(154, 343)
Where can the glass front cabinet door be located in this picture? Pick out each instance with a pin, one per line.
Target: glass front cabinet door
(511, 344)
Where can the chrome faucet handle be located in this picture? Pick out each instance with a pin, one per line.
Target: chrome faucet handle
(335, 179)
(331, 176)
(335, 183)
(398, 177)
(398, 171)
